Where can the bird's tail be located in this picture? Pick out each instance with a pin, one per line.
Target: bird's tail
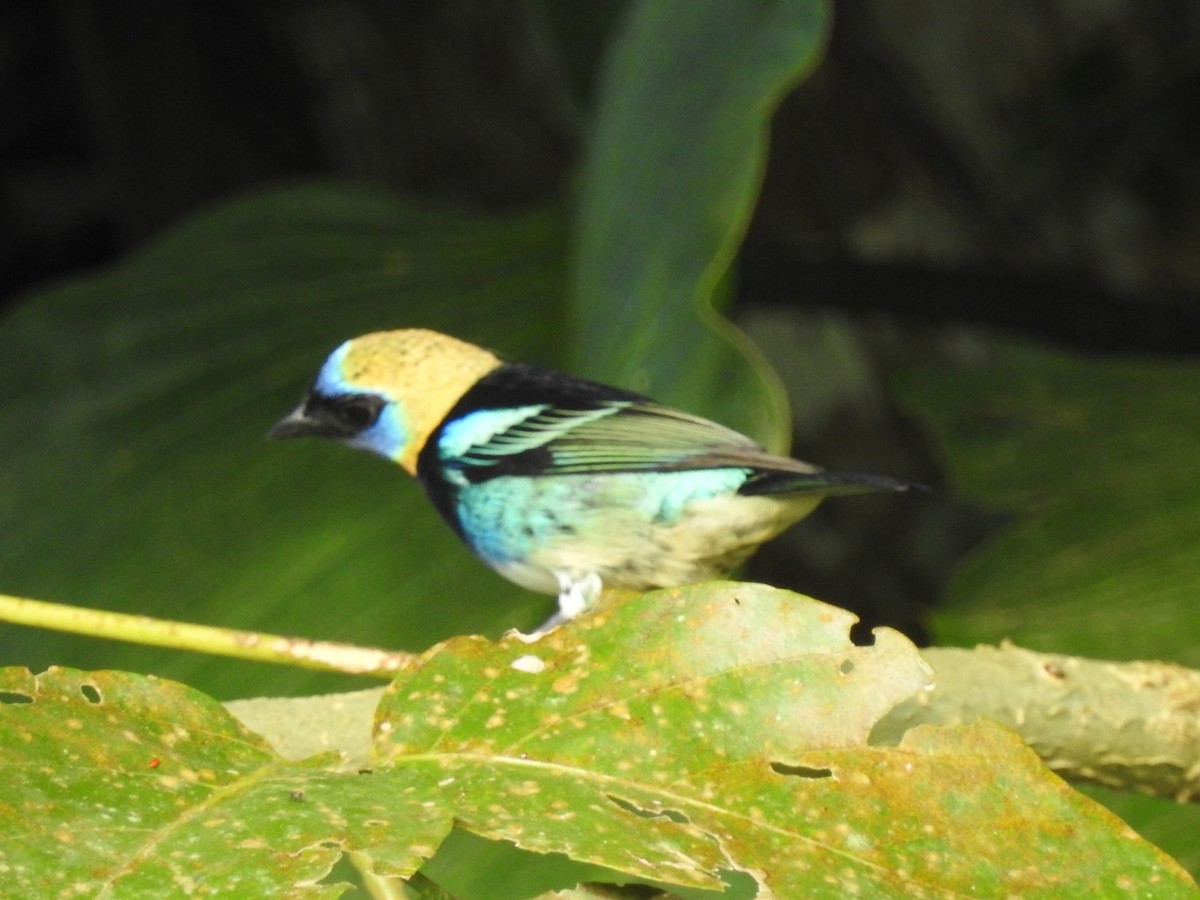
(827, 483)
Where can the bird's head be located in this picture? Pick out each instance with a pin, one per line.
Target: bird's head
(386, 392)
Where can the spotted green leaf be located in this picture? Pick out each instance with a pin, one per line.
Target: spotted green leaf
(687, 737)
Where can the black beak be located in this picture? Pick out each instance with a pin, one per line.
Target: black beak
(297, 423)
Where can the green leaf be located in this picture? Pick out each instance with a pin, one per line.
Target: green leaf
(669, 182)
(1096, 462)
(1094, 459)
(137, 475)
(1170, 826)
(680, 737)
(134, 785)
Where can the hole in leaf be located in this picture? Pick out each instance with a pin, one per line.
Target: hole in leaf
(343, 871)
(90, 692)
(801, 771)
(673, 814)
(861, 635)
(846, 667)
(633, 891)
(15, 697)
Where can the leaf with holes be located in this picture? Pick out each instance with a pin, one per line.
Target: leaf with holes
(726, 727)
(137, 785)
(678, 736)
(124, 785)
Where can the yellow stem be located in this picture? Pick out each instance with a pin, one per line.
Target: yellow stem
(323, 655)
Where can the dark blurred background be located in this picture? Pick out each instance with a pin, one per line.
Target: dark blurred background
(972, 166)
(1039, 158)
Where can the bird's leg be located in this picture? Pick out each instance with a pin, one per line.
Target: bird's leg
(576, 594)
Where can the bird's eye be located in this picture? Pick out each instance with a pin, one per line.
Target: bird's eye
(358, 412)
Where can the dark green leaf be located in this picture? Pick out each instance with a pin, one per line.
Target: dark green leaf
(1096, 462)
(137, 476)
(671, 177)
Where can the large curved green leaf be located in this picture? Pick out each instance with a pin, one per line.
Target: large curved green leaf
(1095, 459)
(669, 182)
(136, 472)
(137, 478)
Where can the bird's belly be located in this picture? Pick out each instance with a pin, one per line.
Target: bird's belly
(637, 531)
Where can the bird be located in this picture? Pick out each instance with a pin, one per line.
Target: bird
(561, 484)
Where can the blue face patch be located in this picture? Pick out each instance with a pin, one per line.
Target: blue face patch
(388, 436)
(330, 380)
